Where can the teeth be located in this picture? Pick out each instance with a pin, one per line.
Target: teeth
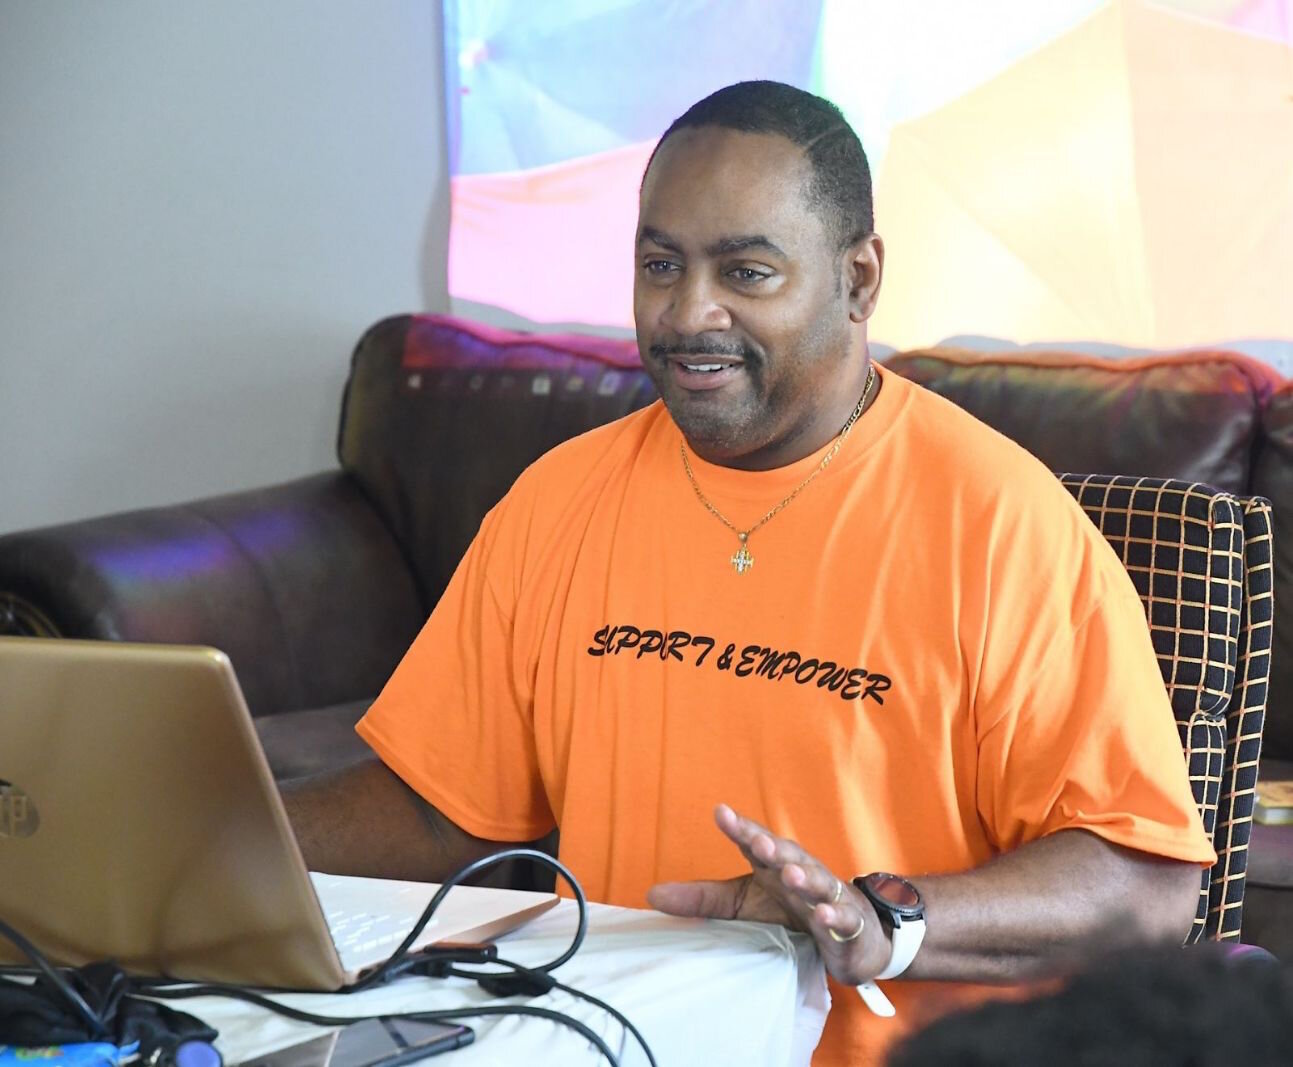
(704, 366)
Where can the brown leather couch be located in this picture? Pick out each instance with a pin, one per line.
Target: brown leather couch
(315, 587)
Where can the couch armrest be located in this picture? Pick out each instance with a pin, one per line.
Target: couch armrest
(301, 584)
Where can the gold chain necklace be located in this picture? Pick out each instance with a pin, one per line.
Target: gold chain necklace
(742, 561)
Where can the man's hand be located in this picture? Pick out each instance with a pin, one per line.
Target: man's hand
(1007, 920)
(786, 886)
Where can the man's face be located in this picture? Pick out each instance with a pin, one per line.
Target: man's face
(740, 297)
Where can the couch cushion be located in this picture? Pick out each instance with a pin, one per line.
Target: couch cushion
(1268, 902)
(1273, 479)
(1268, 920)
(1191, 416)
(441, 415)
(301, 584)
(298, 744)
(1270, 861)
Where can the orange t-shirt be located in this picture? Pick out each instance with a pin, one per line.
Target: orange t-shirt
(935, 658)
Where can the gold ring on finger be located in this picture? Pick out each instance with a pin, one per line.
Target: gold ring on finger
(851, 937)
(839, 891)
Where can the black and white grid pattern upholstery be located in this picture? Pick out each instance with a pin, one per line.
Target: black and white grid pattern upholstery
(1201, 561)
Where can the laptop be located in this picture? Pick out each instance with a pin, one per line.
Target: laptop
(140, 822)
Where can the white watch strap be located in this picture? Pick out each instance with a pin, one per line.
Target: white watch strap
(907, 936)
(873, 997)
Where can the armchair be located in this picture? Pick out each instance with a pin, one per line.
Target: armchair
(1201, 561)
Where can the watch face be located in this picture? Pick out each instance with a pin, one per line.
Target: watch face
(894, 890)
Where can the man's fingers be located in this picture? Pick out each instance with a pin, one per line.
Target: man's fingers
(759, 845)
(743, 832)
(846, 921)
(800, 880)
(699, 900)
(790, 887)
(813, 883)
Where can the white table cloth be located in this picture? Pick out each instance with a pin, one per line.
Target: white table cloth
(705, 993)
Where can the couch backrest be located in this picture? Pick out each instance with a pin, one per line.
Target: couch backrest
(440, 417)
(1195, 416)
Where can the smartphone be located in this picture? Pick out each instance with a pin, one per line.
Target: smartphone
(381, 1042)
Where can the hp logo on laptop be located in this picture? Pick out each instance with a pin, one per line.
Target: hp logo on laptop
(18, 816)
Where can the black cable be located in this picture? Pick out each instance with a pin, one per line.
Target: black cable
(400, 962)
(382, 973)
(88, 1015)
(501, 989)
(522, 981)
(446, 1015)
(533, 981)
(614, 1012)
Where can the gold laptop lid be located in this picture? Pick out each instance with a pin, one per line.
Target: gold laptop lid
(139, 821)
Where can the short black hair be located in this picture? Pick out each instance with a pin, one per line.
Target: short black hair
(841, 185)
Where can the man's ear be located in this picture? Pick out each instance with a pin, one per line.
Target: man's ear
(864, 268)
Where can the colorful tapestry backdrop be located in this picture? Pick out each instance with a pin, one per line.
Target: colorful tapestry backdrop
(1109, 170)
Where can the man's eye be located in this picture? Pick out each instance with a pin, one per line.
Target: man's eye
(658, 266)
(746, 275)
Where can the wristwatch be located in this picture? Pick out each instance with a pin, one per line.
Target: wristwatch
(898, 904)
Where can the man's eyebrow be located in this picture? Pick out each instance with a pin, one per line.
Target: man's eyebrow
(656, 237)
(722, 247)
(727, 245)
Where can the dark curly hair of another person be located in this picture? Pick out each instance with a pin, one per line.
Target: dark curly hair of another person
(1191, 1007)
(841, 186)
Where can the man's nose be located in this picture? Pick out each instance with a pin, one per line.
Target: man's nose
(696, 306)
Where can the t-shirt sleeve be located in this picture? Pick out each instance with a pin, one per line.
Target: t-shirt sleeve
(455, 720)
(1083, 737)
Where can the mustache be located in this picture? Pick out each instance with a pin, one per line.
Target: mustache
(702, 346)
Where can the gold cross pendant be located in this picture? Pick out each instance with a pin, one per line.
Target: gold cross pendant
(742, 561)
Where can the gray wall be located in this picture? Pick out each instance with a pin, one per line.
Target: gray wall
(202, 205)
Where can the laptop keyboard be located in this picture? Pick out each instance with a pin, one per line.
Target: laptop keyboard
(363, 934)
(366, 924)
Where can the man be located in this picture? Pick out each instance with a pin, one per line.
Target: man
(805, 599)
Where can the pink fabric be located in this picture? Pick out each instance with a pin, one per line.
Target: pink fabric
(535, 241)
